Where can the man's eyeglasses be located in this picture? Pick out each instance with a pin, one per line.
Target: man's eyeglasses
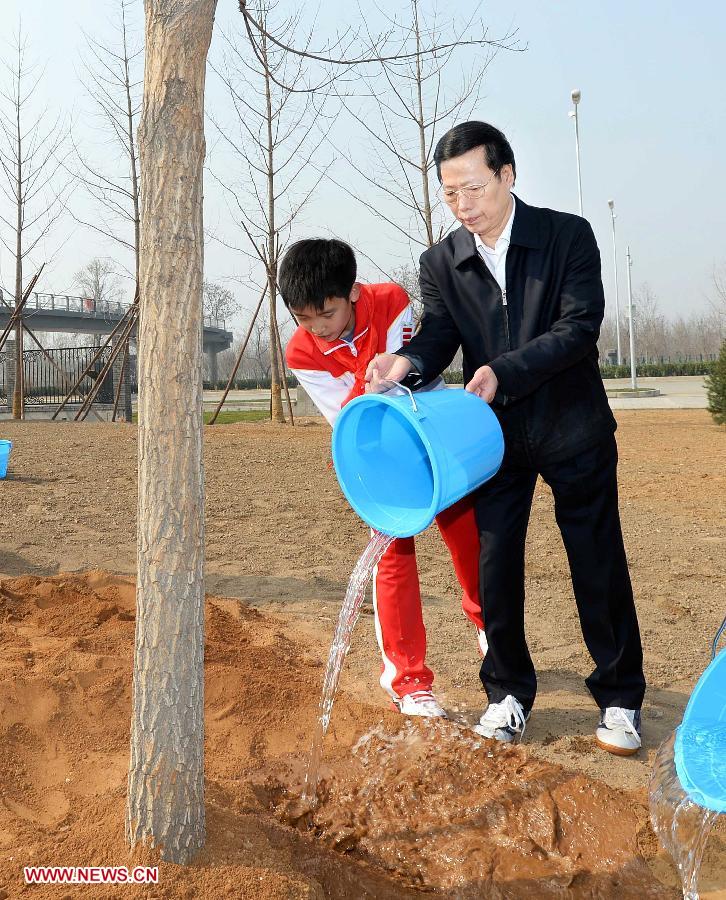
(471, 192)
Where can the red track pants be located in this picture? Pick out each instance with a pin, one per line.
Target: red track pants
(397, 600)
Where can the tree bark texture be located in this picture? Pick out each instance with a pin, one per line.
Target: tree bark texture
(166, 773)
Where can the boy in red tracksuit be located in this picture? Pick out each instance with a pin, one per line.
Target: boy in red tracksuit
(342, 325)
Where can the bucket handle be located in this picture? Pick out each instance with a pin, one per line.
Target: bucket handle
(410, 394)
(714, 646)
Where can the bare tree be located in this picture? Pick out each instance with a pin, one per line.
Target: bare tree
(218, 301)
(98, 281)
(651, 326)
(607, 341)
(407, 277)
(166, 771)
(166, 787)
(274, 138)
(226, 360)
(413, 97)
(258, 348)
(32, 155)
(718, 301)
(113, 85)
(696, 336)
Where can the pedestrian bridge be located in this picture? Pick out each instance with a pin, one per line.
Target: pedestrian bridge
(64, 313)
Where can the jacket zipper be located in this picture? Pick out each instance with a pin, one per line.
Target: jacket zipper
(504, 301)
(506, 318)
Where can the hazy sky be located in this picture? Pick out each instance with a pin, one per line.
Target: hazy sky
(652, 131)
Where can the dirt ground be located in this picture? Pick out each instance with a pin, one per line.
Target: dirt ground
(555, 817)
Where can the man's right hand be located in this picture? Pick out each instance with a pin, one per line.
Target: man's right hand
(385, 368)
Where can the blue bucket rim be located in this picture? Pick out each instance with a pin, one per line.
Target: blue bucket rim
(407, 412)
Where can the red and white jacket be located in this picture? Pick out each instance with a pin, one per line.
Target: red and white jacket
(334, 373)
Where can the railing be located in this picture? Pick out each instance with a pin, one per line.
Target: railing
(86, 307)
(44, 384)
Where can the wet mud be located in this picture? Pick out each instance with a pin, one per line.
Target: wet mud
(442, 810)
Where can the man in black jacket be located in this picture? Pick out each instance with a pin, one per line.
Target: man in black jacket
(519, 289)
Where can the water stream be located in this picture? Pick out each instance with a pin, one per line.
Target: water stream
(682, 825)
(347, 618)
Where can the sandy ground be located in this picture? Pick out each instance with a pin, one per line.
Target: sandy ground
(281, 538)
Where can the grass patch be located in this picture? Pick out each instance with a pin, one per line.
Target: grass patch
(230, 417)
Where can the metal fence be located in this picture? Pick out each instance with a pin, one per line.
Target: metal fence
(44, 384)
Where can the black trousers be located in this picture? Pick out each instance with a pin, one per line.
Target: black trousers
(586, 508)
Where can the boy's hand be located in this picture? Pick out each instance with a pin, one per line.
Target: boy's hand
(484, 383)
(385, 368)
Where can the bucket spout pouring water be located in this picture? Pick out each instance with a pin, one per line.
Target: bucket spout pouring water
(402, 460)
(700, 744)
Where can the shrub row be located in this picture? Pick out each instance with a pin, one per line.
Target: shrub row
(660, 369)
(644, 370)
(246, 384)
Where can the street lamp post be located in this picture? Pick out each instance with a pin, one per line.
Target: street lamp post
(631, 329)
(611, 204)
(576, 95)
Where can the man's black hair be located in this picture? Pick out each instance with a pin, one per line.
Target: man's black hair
(468, 135)
(315, 269)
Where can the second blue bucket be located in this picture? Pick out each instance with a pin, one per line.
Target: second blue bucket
(700, 747)
(5, 447)
(402, 460)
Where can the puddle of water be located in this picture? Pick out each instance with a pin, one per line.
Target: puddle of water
(682, 825)
(347, 618)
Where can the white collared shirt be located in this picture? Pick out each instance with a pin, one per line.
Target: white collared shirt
(496, 257)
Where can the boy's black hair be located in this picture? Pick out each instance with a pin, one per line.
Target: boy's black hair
(466, 136)
(313, 270)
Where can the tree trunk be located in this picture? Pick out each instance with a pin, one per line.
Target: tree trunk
(166, 773)
(421, 124)
(19, 392)
(276, 413)
(132, 153)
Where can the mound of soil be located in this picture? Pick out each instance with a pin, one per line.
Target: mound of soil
(405, 806)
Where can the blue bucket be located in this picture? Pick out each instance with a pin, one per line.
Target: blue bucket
(402, 460)
(700, 746)
(5, 447)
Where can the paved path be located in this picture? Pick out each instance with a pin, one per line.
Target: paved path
(684, 392)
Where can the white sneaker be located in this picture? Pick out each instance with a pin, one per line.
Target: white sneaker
(420, 703)
(504, 721)
(619, 730)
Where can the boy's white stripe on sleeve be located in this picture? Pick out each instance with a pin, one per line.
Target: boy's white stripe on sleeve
(326, 391)
(400, 331)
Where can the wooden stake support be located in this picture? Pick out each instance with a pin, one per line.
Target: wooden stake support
(131, 312)
(283, 373)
